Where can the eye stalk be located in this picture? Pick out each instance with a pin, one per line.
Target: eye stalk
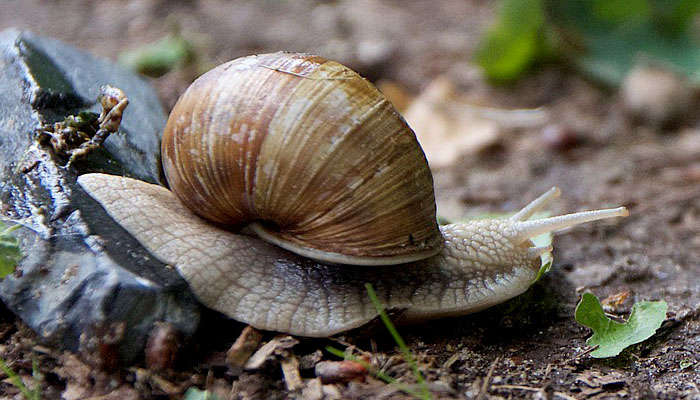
(525, 229)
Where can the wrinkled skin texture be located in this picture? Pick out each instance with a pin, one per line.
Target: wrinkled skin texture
(270, 288)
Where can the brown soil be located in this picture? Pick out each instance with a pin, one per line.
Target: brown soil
(530, 347)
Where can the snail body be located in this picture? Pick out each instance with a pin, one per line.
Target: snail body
(238, 142)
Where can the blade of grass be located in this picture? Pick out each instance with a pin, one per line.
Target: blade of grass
(17, 382)
(397, 338)
(38, 378)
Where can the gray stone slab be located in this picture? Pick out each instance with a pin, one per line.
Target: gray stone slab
(82, 274)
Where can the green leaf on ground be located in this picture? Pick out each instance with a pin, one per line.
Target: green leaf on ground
(615, 35)
(603, 38)
(10, 253)
(158, 58)
(612, 337)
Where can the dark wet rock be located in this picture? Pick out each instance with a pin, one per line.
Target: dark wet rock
(85, 283)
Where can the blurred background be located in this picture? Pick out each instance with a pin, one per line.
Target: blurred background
(508, 98)
(500, 93)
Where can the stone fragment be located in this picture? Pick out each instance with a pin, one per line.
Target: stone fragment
(84, 282)
(162, 347)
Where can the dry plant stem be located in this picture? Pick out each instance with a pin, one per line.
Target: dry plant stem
(487, 380)
(517, 387)
(114, 102)
(483, 263)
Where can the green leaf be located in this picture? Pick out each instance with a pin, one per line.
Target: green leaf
(546, 259)
(607, 38)
(156, 59)
(10, 253)
(619, 11)
(612, 337)
(514, 42)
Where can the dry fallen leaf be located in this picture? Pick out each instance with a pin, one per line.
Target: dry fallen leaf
(243, 347)
(277, 346)
(312, 390)
(615, 302)
(290, 371)
(449, 127)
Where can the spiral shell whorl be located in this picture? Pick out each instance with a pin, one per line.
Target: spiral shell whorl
(309, 148)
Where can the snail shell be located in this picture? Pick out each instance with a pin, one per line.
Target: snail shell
(310, 153)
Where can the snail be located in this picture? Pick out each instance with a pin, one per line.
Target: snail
(311, 157)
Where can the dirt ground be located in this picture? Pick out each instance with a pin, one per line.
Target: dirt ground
(530, 347)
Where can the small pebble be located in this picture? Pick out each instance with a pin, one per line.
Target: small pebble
(559, 137)
(162, 347)
(656, 95)
(340, 371)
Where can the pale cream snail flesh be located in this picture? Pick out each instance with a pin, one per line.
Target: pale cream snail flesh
(319, 162)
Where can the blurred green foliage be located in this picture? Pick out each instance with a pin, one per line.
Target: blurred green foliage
(158, 58)
(514, 41)
(603, 38)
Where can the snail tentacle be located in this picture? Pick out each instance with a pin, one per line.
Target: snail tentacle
(536, 205)
(525, 230)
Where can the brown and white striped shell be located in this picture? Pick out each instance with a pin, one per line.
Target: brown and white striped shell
(309, 154)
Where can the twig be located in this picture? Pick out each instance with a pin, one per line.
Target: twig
(517, 118)
(290, 372)
(487, 379)
(517, 387)
(564, 396)
(547, 371)
(577, 356)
